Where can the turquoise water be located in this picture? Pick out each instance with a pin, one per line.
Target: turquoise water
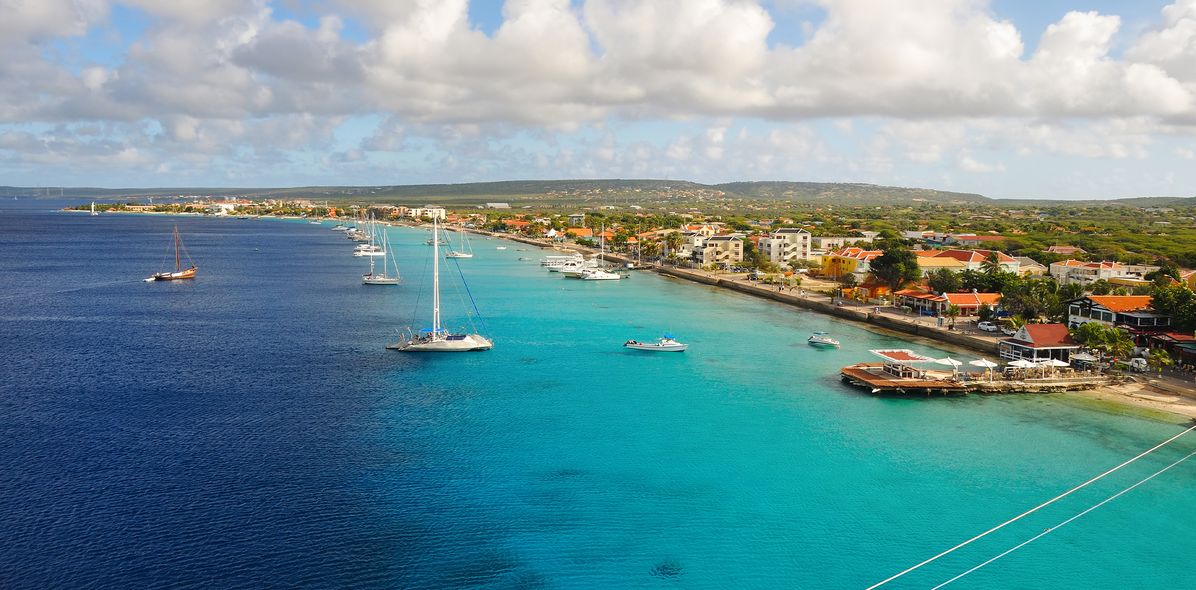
(247, 429)
(744, 462)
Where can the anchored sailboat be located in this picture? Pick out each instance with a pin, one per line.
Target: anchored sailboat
(93, 209)
(381, 278)
(466, 251)
(179, 272)
(436, 338)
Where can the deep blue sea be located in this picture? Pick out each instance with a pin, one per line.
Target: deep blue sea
(248, 430)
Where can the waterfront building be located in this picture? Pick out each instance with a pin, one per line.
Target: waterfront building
(924, 303)
(579, 232)
(1037, 342)
(722, 250)
(1133, 312)
(786, 245)
(849, 260)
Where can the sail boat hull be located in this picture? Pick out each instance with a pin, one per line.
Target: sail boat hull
(379, 280)
(450, 343)
(176, 276)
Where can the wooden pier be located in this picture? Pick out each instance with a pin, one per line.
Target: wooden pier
(873, 376)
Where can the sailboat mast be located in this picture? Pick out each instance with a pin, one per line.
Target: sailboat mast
(178, 263)
(435, 278)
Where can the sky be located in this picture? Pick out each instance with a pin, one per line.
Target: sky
(1052, 99)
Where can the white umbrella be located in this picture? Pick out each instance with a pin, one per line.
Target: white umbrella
(1023, 364)
(1083, 357)
(1055, 363)
(954, 364)
(987, 364)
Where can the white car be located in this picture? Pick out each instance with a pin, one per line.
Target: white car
(987, 327)
(1006, 330)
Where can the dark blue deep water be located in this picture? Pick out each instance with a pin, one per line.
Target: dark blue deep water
(247, 429)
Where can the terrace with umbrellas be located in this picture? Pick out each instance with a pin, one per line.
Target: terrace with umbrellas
(904, 371)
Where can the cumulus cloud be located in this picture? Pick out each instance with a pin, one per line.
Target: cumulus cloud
(948, 81)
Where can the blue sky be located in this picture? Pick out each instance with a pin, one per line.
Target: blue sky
(1052, 99)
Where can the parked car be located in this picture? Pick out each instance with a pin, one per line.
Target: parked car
(1006, 330)
(987, 327)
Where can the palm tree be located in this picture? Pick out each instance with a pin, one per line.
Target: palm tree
(1158, 359)
(673, 241)
(952, 313)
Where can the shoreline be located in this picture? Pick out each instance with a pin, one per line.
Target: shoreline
(1149, 400)
(1144, 400)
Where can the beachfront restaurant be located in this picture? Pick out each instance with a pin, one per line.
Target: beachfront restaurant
(1036, 342)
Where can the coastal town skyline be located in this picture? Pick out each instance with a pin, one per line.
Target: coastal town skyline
(1062, 100)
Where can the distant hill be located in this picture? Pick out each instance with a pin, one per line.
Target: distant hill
(843, 193)
(548, 192)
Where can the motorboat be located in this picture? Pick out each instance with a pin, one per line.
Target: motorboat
(597, 274)
(822, 340)
(665, 343)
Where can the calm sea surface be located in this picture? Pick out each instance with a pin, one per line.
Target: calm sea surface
(247, 429)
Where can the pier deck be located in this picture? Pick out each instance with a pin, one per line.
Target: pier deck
(871, 375)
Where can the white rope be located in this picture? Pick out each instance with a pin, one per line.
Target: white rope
(1030, 511)
(1052, 529)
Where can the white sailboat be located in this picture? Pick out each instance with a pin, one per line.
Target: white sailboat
(93, 209)
(466, 251)
(381, 278)
(436, 338)
(371, 247)
(598, 273)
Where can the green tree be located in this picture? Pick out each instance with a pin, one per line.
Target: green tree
(1177, 301)
(897, 266)
(945, 281)
(952, 312)
(849, 280)
(673, 240)
(1158, 359)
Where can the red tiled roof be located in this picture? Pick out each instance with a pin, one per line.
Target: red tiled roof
(1121, 303)
(975, 255)
(581, 232)
(1048, 335)
(973, 299)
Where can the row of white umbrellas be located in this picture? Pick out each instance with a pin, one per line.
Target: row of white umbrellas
(987, 364)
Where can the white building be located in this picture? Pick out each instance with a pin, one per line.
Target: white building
(786, 245)
(1084, 273)
(719, 250)
(428, 212)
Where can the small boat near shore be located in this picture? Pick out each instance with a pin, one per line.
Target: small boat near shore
(665, 343)
(822, 340)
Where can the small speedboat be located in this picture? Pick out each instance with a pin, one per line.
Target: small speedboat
(822, 340)
(663, 344)
(500, 247)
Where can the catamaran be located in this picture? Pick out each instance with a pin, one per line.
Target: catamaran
(466, 251)
(179, 271)
(437, 338)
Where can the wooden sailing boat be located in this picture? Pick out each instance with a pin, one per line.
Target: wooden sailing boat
(179, 272)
